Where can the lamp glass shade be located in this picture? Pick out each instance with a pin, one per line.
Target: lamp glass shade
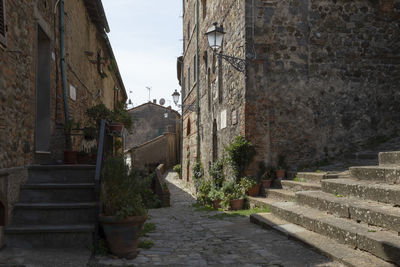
(175, 97)
(215, 36)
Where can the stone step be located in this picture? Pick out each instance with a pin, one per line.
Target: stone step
(320, 243)
(53, 213)
(50, 236)
(82, 192)
(382, 244)
(311, 177)
(261, 202)
(61, 174)
(280, 194)
(299, 186)
(379, 174)
(384, 193)
(370, 212)
(389, 158)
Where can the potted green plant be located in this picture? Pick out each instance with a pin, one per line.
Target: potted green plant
(240, 154)
(250, 186)
(203, 191)
(70, 156)
(281, 170)
(123, 211)
(216, 195)
(233, 196)
(268, 177)
(216, 173)
(120, 118)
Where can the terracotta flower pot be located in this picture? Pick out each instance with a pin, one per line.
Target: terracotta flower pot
(254, 191)
(280, 174)
(70, 157)
(116, 126)
(266, 183)
(122, 235)
(237, 204)
(217, 204)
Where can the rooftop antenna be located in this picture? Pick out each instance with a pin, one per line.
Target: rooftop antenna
(149, 88)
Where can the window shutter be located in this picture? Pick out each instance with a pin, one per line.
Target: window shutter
(2, 22)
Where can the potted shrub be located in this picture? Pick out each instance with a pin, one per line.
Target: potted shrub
(70, 156)
(216, 195)
(123, 211)
(178, 169)
(203, 192)
(240, 154)
(120, 118)
(217, 173)
(268, 177)
(233, 196)
(280, 172)
(250, 186)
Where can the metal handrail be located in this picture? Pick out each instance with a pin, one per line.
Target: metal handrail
(100, 153)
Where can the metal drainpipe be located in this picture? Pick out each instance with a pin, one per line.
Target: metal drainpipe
(197, 80)
(62, 61)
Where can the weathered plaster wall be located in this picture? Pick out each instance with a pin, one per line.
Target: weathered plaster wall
(325, 78)
(161, 150)
(149, 122)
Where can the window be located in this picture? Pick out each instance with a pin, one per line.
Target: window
(3, 25)
(204, 4)
(188, 31)
(188, 73)
(188, 128)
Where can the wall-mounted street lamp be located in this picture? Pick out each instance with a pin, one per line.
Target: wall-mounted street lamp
(175, 97)
(215, 36)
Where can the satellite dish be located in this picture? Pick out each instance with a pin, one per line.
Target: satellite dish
(162, 101)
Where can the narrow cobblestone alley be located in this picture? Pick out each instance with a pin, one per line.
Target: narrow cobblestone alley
(186, 237)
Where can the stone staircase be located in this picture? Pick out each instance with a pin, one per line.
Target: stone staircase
(56, 208)
(359, 209)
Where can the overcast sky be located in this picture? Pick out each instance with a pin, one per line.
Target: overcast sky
(146, 39)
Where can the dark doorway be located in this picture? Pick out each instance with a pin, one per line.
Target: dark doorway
(42, 134)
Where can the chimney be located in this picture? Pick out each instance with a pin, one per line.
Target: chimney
(154, 101)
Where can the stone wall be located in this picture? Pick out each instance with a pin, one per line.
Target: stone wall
(18, 76)
(149, 121)
(325, 77)
(161, 150)
(221, 87)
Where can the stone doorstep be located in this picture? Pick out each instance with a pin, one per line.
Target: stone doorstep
(389, 158)
(321, 244)
(299, 186)
(261, 202)
(39, 229)
(382, 244)
(370, 212)
(312, 177)
(280, 194)
(383, 193)
(382, 174)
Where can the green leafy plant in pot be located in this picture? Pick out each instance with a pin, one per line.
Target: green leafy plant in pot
(120, 118)
(250, 186)
(240, 154)
(268, 177)
(216, 195)
(280, 172)
(123, 211)
(234, 196)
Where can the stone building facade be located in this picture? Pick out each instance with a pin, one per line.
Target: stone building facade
(155, 137)
(32, 113)
(321, 78)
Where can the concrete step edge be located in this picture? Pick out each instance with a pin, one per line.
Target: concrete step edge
(51, 205)
(61, 167)
(321, 244)
(35, 229)
(371, 212)
(280, 193)
(367, 238)
(380, 192)
(57, 185)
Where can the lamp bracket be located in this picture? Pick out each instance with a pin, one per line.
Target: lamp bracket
(238, 63)
(190, 107)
